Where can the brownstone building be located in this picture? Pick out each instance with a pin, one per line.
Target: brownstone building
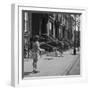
(48, 25)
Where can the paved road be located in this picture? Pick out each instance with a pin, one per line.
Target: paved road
(75, 69)
(51, 65)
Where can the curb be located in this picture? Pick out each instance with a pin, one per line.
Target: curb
(66, 72)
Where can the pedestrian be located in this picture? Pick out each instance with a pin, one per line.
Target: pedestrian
(36, 52)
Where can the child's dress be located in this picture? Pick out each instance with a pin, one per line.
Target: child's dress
(35, 51)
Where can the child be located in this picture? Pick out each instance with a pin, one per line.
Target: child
(36, 50)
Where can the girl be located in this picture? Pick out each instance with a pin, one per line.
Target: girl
(36, 50)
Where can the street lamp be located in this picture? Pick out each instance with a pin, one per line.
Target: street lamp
(74, 34)
(74, 51)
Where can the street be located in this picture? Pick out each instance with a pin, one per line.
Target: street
(68, 64)
(75, 69)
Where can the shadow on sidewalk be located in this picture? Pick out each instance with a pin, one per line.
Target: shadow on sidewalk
(28, 73)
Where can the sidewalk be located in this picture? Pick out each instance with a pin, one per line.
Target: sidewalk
(51, 65)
